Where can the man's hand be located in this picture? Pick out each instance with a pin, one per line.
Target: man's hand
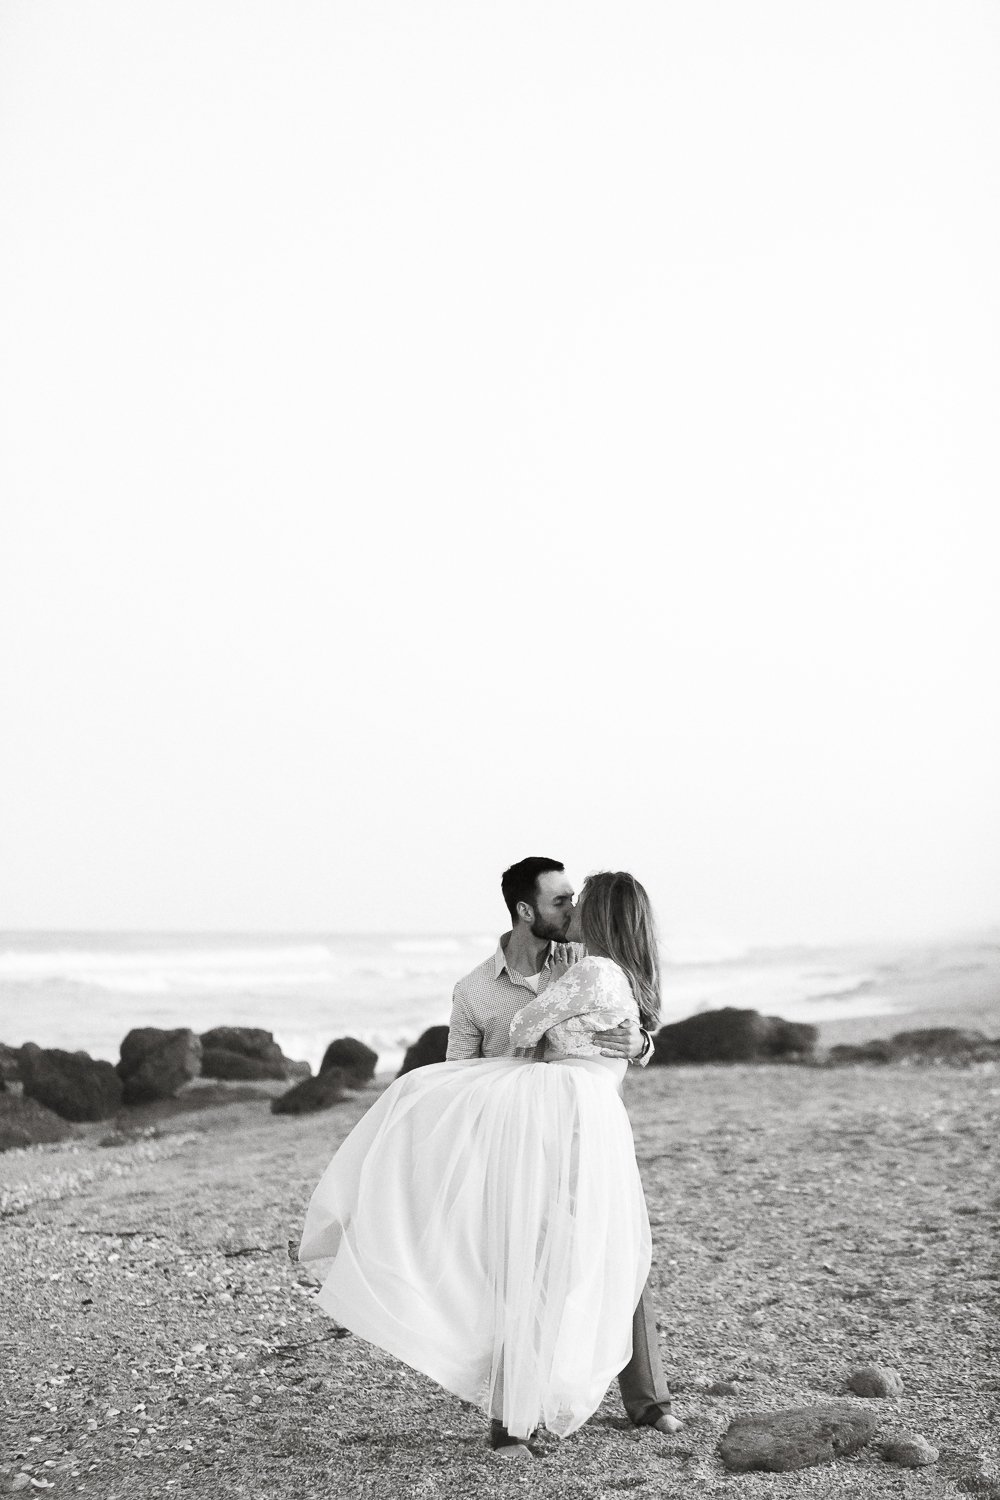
(625, 1041)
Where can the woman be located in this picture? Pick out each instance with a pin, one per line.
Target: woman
(485, 1221)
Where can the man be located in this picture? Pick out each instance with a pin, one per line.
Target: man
(539, 896)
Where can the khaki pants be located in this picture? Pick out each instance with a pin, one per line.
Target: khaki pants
(642, 1382)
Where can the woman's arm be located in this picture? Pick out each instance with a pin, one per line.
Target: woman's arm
(587, 989)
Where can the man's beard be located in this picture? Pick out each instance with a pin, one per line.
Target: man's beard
(549, 931)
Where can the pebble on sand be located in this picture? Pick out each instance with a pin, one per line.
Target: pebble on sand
(876, 1380)
(910, 1449)
(982, 1481)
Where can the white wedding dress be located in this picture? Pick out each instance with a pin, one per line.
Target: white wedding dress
(485, 1221)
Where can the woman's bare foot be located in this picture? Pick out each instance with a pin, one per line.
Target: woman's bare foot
(668, 1423)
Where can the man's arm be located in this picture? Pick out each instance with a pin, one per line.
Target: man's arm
(465, 1038)
(627, 1040)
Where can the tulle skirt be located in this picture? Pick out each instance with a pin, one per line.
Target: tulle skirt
(485, 1223)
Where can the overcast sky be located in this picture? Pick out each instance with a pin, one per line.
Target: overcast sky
(434, 433)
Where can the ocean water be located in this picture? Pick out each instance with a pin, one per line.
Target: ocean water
(86, 990)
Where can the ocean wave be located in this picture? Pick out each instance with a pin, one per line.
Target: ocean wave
(845, 990)
(83, 963)
(427, 945)
(702, 953)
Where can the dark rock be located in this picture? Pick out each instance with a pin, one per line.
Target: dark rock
(298, 1069)
(10, 1063)
(909, 1449)
(223, 1046)
(25, 1122)
(877, 1051)
(727, 1035)
(732, 1035)
(311, 1094)
(876, 1380)
(73, 1084)
(721, 1388)
(355, 1059)
(796, 1438)
(217, 1062)
(940, 1044)
(430, 1047)
(155, 1064)
(791, 1038)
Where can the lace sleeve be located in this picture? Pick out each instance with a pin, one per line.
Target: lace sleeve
(591, 988)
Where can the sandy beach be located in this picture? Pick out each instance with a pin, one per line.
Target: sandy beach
(158, 1340)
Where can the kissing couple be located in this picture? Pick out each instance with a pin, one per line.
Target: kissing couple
(485, 1222)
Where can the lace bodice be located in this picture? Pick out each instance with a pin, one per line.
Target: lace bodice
(594, 995)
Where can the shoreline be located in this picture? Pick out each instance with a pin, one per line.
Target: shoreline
(914, 995)
(861, 989)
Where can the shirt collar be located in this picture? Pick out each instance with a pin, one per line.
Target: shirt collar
(500, 957)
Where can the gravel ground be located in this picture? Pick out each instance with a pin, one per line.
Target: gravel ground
(157, 1341)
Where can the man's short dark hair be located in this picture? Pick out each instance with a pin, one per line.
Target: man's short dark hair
(520, 882)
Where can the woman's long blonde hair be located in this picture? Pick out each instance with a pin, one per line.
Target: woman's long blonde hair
(616, 918)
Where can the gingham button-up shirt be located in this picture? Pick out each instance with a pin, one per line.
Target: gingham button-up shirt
(487, 1000)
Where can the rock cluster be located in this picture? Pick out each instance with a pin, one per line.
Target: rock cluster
(933, 1044)
(798, 1437)
(41, 1088)
(732, 1035)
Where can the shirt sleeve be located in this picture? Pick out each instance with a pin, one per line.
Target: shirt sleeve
(587, 989)
(465, 1038)
(647, 1056)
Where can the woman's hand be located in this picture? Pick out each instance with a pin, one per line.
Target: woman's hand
(625, 1040)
